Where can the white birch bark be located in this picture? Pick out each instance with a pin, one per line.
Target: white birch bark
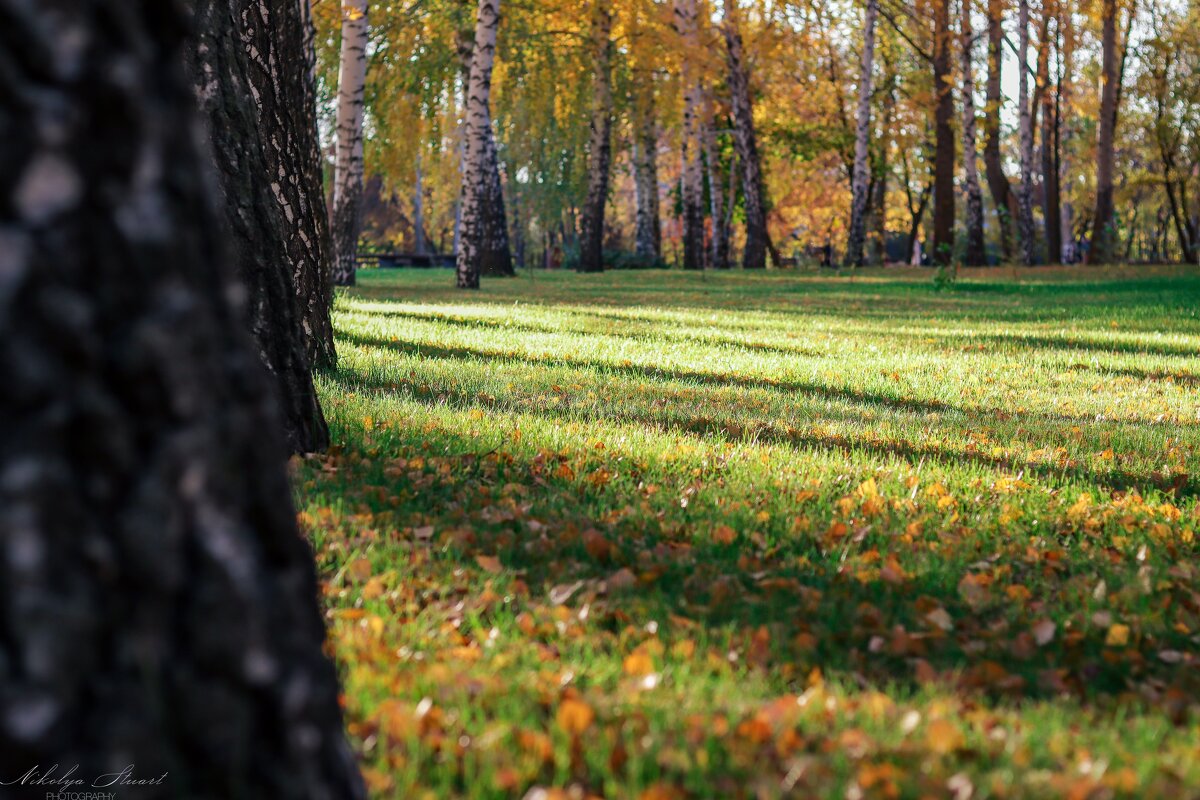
(719, 252)
(862, 132)
(645, 161)
(1025, 127)
(478, 146)
(692, 178)
(975, 255)
(348, 166)
(591, 255)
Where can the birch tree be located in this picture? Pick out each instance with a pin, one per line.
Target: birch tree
(686, 21)
(998, 184)
(862, 133)
(1103, 235)
(754, 255)
(239, 77)
(1025, 129)
(719, 251)
(975, 255)
(591, 255)
(648, 225)
(163, 606)
(311, 240)
(348, 165)
(478, 180)
(944, 145)
(1051, 212)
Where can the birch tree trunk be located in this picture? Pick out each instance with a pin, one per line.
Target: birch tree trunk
(1103, 233)
(998, 185)
(591, 255)
(754, 255)
(944, 145)
(1025, 129)
(466, 47)
(278, 36)
(716, 196)
(881, 169)
(692, 176)
(1066, 130)
(495, 255)
(648, 234)
(420, 243)
(1050, 189)
(862, 134)
(975, 255)
(348, 164)
(159, 603)
(477, 179)
(250, 134)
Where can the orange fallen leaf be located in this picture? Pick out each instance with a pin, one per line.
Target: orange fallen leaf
(359, 569)
(575, 716)
(724, 535)
(638, 663)
(489, 563)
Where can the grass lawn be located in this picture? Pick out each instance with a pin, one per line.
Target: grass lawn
(665, 535)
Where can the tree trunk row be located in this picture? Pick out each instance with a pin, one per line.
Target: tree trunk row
(591, 254)
(754, 255)
(247, 130)
(159, 605)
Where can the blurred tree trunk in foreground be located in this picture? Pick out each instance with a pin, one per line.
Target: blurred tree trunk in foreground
(157, 602)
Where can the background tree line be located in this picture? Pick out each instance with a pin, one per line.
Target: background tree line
(719, 132)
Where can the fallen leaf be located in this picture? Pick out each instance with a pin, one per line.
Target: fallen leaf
(575, 716)
(489, 563)
(1043, 632)
(943, 736)
(621, 579)
(638, 663)
(1118, 636)
(724, 535)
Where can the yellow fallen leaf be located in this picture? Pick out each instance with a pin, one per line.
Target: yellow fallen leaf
(373, 589)
(943, 736)
(1118, 636)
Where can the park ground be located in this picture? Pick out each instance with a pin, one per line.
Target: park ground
(665, 535)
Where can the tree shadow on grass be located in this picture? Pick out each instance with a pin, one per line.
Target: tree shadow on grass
(661, 333)
(876, 629)
(1182, 486)
(720, 379)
